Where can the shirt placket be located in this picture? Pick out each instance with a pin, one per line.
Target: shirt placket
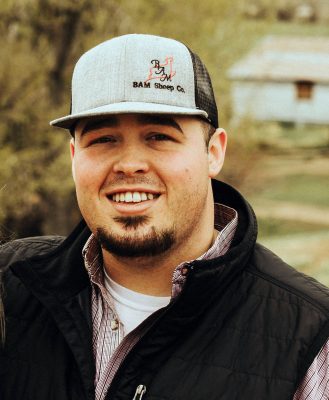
(108, 331)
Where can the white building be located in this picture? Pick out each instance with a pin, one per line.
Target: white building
(283, 79)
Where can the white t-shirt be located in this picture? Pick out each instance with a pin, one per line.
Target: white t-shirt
(132, 307)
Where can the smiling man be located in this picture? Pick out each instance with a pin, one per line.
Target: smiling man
(136, 178)
(162, 291)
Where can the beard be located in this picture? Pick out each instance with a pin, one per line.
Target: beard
(135, 245)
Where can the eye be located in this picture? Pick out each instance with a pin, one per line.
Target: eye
(159, 137)
(103, 139)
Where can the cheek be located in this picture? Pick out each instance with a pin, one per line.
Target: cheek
(88, 173)
(188, 166)
(180, 175)
(175, 172)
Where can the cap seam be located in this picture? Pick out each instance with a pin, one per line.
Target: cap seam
(194, 75)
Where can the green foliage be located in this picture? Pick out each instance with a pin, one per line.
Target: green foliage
(42, 39)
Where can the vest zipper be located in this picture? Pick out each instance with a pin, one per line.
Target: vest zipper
(140, 391)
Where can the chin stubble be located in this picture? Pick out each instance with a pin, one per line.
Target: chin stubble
(134, 245)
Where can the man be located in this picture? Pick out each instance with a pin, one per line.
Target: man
(162, 291)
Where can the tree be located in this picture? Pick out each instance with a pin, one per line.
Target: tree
(41, 40)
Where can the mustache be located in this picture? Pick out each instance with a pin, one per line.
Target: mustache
(130, 180)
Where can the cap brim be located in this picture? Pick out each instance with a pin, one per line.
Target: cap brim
(126, 108)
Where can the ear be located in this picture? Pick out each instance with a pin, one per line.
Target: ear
(72, 152)
(216, 152)
(72, 148)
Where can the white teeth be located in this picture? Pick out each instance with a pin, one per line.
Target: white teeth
(128, 197)
(136, 197)
(132, 197)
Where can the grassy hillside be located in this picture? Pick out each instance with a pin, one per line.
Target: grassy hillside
(290, 193)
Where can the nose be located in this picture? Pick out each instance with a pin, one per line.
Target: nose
(131, 160)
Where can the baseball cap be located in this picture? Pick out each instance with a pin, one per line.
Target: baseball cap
(138, 73)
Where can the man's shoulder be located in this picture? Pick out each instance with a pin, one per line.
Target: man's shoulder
(273, 271)
(26, 248)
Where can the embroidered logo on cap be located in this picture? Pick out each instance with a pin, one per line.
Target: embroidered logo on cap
(163, 72)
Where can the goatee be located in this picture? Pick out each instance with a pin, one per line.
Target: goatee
(134, 245)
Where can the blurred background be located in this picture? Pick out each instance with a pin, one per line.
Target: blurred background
(269, 64)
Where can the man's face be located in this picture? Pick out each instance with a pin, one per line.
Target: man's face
(143, 181)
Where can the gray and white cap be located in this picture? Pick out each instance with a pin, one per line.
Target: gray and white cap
(140, 74)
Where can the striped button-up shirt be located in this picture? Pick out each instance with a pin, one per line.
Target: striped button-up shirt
(110, 345)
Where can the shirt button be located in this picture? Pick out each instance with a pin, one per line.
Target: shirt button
(114, 324)
(184, 271)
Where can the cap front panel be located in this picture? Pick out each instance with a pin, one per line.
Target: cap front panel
(159, 71)
(98, 76)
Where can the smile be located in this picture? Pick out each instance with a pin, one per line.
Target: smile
(132, 197)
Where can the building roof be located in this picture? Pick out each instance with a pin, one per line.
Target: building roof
(284, 58)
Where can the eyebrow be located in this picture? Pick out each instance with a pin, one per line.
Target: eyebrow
(113, 122)
(94, 124)
(161, 120)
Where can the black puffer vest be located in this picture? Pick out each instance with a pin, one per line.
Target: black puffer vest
(245, 327)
